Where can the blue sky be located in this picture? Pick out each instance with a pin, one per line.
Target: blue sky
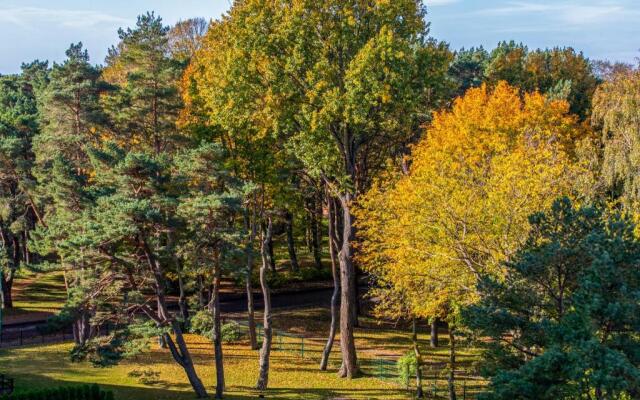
(603, 29)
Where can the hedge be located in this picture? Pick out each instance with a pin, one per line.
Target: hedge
(86, 392)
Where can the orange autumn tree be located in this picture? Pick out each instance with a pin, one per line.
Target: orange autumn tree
(480, 171)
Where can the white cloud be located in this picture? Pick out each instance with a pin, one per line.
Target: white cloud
(574, 13)
(32, 16)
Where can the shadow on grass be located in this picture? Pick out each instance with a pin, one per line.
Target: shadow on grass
(31, 381)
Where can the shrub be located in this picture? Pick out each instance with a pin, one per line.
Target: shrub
(202, 324)
(406, 367)
(86, 392)
(231, 332)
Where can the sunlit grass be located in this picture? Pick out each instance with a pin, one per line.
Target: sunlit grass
(36, 296)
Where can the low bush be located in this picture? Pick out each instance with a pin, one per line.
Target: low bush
(86, 392)
(202, 324)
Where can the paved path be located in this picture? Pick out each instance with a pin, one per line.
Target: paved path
(28, 332)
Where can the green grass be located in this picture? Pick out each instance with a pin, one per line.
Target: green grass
(291, 377)
(36, 296)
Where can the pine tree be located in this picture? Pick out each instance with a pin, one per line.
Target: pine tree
(19, 210)
(564, 323)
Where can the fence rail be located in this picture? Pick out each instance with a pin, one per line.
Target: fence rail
(33, 336)
(6, 385)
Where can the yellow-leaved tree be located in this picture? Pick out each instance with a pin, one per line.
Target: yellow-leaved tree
(462, 209)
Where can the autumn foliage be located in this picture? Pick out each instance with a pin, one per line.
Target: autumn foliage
(480, 170)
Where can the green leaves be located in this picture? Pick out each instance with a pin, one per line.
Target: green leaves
(563, 322)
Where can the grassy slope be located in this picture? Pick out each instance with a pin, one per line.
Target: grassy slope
(36, 296)
(292, 377)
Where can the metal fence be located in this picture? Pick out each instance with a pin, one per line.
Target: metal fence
(18, 337)
(6, 385)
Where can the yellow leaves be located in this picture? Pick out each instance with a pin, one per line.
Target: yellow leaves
(480, 171)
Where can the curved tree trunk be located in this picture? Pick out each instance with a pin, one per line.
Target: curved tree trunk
(291, 244)
(214, 307)
(349, 368)
(335, 297)
(180, 353)
(265, 351)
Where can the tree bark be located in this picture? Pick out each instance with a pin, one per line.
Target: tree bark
(180, 353)
(452, 363)
(335, 297)
(182, 300)
(82, 330)
(214, 308)
(316, 240)
(7, 292)
(349, 368)
(272, 259)
(201, 299)
(161, 342)
(251, 225)
(416, 350)
(291, 244)
(265, 351)
(182, 356)
(433, 341)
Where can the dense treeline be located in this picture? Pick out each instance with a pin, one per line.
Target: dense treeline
(438, 173)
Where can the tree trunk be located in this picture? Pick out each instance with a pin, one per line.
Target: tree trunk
(272, 259)
(182, 300)
(335, 297)
(433, 341)
(251, 226)
(201, 300)
(181, 353)
(316, 240)
(349, 368)
(7, 292)
(82, 331)
(291, 244)
(355, 310)
(214, 307)
(265, 351)
(416, 350)
(182, 356)
(452, 364)
(161, 342)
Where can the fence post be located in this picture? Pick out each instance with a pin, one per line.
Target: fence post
(464, 389)
(407, 376)
(435, 386)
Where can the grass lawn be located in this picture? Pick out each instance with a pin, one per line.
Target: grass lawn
(36, 296)
(291, 376)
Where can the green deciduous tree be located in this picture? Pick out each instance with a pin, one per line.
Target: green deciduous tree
(342, 97)
(616, 111)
